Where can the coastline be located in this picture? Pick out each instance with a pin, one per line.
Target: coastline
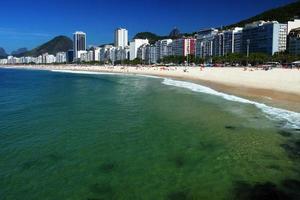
(277, 87)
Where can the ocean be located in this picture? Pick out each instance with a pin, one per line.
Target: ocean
(85, 135)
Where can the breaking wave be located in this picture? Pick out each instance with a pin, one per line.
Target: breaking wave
(290, 118)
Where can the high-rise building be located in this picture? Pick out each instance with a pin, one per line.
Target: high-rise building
(294, 41)
(232, 40)
(184, 46)
(134, 45)
(70, 56)
(264, 37)
(293, 25)
(151, 52)
(61, 57)
(121, 38)
(79, 43)
(162, 48)
(218, 44)
(204, 44)
(96, 52)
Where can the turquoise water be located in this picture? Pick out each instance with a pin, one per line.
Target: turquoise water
(96, 136)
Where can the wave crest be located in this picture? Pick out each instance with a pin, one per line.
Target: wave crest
(290, 118)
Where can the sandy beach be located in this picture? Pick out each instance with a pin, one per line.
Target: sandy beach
(276, 87)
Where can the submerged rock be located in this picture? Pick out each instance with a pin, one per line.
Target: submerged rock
(230, 127)
(285, 133)
(293, 149)
(265, 191)
(108, 167)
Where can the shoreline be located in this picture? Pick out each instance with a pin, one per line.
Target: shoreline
(277, 87)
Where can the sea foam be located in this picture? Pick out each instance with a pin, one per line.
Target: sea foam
(289, 118)
(103, 73)
(84, 72)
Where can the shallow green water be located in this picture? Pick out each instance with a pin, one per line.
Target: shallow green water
(76, 136)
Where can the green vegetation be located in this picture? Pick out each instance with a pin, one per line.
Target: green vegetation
(281, 14)
(255, 58)
(152, 37)
(229, 59)
(58, 44)
(181, 60)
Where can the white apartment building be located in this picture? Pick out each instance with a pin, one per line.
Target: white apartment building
(121, 38)
(96, 52)
(121, 53)
(204, 44)
(3, 61)
(90, 56)
(142, 51)
(104, 53)
(134, 45)
(293, 25)
(61, 57)
(82, 56)
(282, 43)
(163, 48)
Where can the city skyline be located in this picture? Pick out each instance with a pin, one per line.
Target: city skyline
(18, 32)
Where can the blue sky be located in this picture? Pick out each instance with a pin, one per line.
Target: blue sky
(29, 23)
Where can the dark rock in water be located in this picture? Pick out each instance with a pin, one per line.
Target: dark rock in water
(54, 157)
(280, 124)
(266, 191)
(297, 129)
(292, 187)
(293, 149)
(285, 133)
(274, 167)
(179, 195)
(179, 161)
(230, 127)
(108, 167)
(29, 164)
(292, 184)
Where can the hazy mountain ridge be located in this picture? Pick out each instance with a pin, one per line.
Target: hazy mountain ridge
(19, 51)
(57, 44)
(3, 53)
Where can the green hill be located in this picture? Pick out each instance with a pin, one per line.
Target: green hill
(281, 14)
(57, 44)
